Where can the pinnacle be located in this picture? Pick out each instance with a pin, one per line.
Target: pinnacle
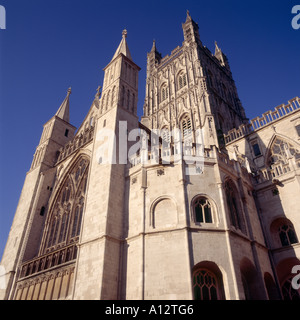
(63, 112)
(123, 47)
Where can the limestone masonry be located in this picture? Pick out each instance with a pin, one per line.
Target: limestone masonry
(194, 201)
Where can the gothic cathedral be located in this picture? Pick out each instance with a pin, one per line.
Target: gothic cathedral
(99, 218)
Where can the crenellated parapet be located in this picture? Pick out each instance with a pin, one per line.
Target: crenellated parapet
(267, 118)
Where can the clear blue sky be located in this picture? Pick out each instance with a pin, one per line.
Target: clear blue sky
(50, 45)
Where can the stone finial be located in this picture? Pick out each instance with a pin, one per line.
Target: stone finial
(153, 46)
(188, 17)
(124, 33)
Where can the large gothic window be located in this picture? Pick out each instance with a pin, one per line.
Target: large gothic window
(64, 222)
(280, 153)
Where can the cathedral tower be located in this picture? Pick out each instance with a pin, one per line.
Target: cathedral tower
(24, 237)
(109, 212)
(98, 272)
(192, 88)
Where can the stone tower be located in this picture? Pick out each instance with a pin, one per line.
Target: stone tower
(68, 227)
(193, 202)
(98, 274)
(192, 88)
(24, 237)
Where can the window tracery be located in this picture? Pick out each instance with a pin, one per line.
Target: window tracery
(205, 285)
(287, 234)
(182, 80)
(186, 127)
(280, 153)
(164, 93)
(65, 218)
(202, 210)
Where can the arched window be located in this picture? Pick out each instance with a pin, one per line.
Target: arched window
(164, 93)
(205, 285)
(182, 80)
(283, 232)
(287, 234)
(64, 220)
(207, 282)
(202, 210)
(234, 206)
(280, 153)
(186, 127)
(165, 134)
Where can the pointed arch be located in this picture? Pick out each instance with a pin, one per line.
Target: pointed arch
(164, 92)
(234, 206)
(207, 281)
(203, 209)
(186, 126)
(278, 137)
(283, 232)
(250, 280)
(181, 79)
(67, 206)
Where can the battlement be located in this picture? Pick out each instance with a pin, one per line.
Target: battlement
(266, 119)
